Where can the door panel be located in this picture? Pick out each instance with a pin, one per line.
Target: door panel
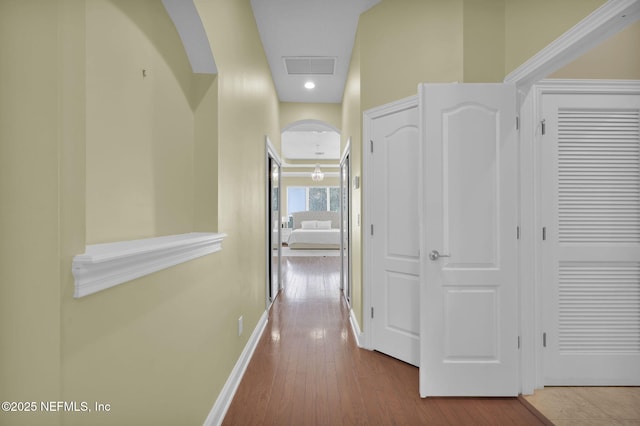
(469, 292)
(400, 150)
(470, 325)
(395, 239)
(470, 184)
(590, 208)
(400, 289)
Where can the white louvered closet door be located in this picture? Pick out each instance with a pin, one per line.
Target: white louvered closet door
(590, 258)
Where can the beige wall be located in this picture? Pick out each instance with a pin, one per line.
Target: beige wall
(204, 97)
(406, 42)
(483, 30)
(532, 25)
(159, 348)
(616, 58)
(140, 129)
(32, 78)
(290, 112)
(248, 110)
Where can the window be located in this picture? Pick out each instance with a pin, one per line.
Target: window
(296, 199)
(303, 198)
(317, 199)
(334, 199)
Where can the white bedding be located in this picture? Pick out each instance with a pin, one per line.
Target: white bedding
(321, 237)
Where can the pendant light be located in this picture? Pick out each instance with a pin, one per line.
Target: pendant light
(317, 175)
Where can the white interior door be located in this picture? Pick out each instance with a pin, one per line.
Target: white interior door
(394, 157)
(468, 304)
(590, 211)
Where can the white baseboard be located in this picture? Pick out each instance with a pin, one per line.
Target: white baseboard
(355, 327)
(217, 413)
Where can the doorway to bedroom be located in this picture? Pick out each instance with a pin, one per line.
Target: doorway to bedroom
(314, 219)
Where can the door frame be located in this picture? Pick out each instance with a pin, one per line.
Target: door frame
(368, 117)
(607, 20)
(548, 87)
(270, 152)
(345, 159)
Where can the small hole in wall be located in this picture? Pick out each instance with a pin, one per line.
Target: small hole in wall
(144, 73)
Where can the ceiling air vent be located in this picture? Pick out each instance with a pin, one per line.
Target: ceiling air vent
(309, 65)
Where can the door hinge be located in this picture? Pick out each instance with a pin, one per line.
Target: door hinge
(517, 232)
(371, 145)
(372, 312)
(544, 233)
(543, 126)
(517, 123)
(544, 340)
(371, 229)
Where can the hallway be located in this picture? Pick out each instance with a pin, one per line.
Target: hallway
(308, 370)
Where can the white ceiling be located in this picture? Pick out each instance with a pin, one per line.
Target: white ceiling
(309, 28)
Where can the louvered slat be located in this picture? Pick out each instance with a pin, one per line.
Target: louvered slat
(599, 202)
(598, 176)
(598, 307)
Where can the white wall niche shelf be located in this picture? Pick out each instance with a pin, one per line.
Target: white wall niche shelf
(106, 265)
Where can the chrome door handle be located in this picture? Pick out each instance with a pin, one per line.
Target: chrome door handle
(435, 255)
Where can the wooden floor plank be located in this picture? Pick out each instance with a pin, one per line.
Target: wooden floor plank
(308, 370)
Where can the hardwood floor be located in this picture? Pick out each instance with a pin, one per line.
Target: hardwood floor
(307, 369)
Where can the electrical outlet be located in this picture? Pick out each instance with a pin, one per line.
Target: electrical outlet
(240, 326)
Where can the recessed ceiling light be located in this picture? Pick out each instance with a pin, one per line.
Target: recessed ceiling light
(309, 85)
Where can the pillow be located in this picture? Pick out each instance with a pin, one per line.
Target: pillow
(324, 224)
(309, 224)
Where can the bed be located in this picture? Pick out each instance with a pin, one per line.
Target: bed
(315, 230)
